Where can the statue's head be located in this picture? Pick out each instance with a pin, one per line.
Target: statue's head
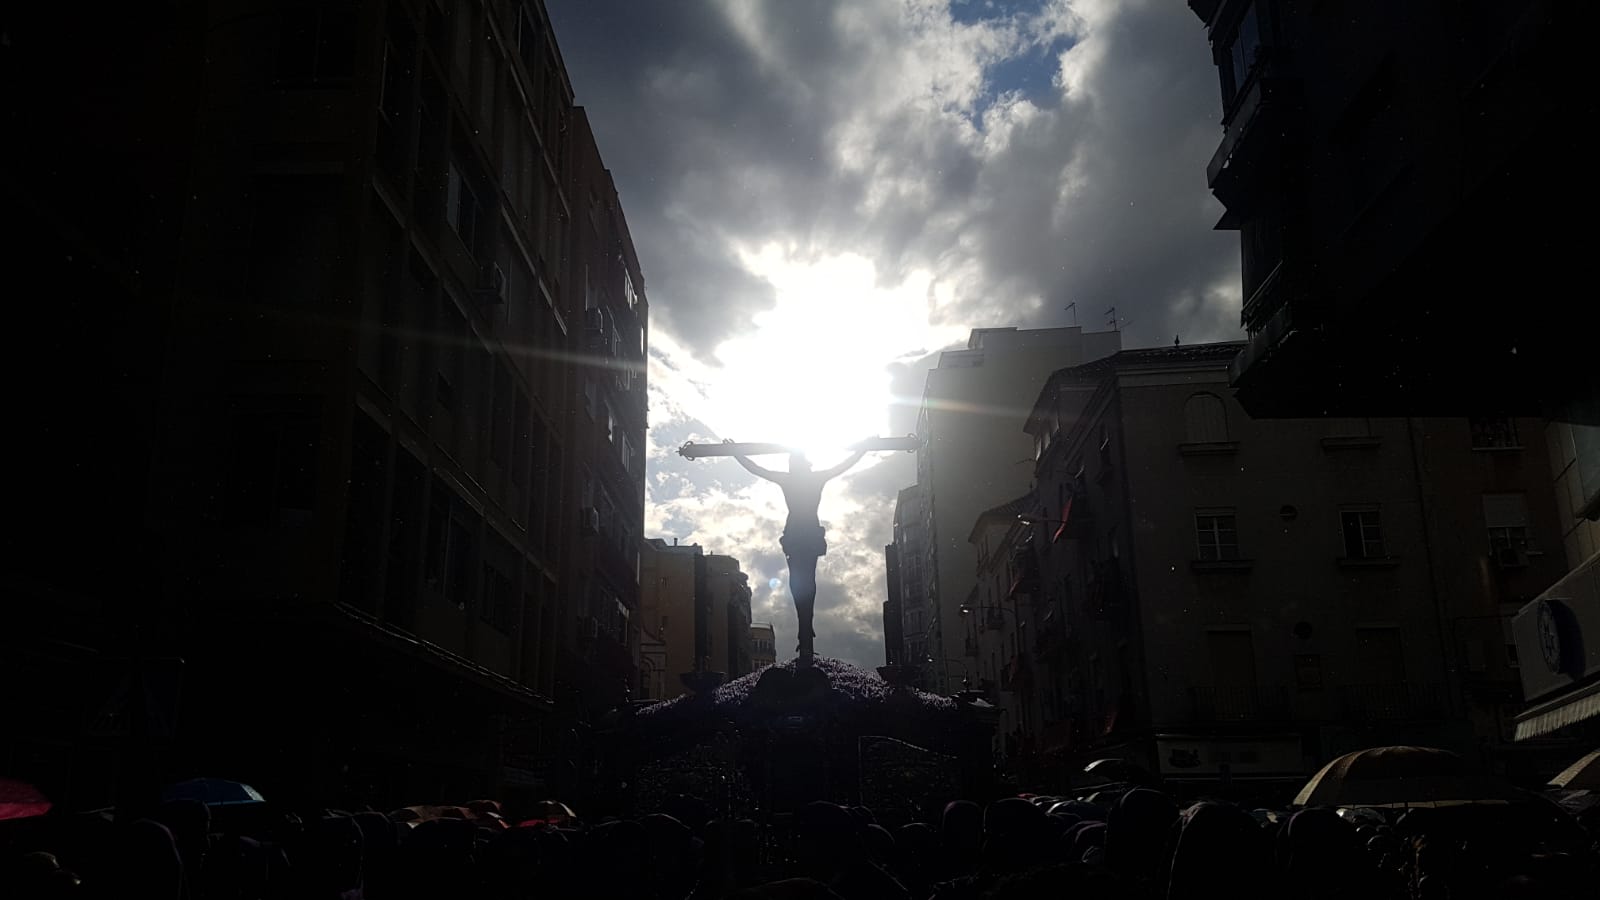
(799, 463)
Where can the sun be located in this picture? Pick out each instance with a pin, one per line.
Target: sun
(812, 372)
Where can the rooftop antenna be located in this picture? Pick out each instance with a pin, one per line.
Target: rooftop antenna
(1112, 312)
(1073, 308)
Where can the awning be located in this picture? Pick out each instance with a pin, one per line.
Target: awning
(1571, 709)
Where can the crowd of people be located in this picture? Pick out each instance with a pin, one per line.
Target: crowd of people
(1138, 845)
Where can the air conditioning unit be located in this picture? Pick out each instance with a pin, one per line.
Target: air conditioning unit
(589, 520)
(594, 319)
(492, 284)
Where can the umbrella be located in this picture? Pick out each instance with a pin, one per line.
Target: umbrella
(1583, 775)
(212, 792)
(1402, 776)
(21, 800)
(1115, 769)
(549, 812)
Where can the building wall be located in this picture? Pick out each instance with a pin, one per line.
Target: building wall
(763, 646)
(1575, 464)
(667, 602)
(606, 418)
(355, 427)
(1360, 154)
(728, 589)
(1288, 629)
(970, 427)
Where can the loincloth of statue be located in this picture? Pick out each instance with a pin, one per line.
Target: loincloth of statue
(803, 540)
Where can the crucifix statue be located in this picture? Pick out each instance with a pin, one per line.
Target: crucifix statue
(802, 541)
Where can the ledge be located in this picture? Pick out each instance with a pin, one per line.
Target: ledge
(1213, 566)
(1208, 448)
(1351, 442)
(1381, 562)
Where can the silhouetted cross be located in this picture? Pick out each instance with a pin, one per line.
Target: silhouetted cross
(803, 541)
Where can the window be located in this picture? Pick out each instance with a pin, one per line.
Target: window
(1242, 53)
(273, 443)
(500, 423)
(1506, 518)
(317, 44)
(395, 88)
(294, 238)
(1363, 536)
(530, 40)
(1205, 419)
(628, 293)
(452, 545)
(1494, 433)
(1308, 671)
(1216, 536)
(496, 608)
(461, 206)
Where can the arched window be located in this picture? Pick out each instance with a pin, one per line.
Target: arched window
(1205, 419)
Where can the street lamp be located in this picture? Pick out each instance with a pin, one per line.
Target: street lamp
(966, 673)
(964, 609)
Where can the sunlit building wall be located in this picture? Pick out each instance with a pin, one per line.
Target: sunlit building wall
(763, 646)
(974, 454)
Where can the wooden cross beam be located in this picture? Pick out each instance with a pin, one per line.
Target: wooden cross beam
(691, 450)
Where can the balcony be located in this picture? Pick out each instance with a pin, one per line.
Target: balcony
(1076, 521)
(1254, 137)
(1026, 564)
(1392, 701)
(1238, 703)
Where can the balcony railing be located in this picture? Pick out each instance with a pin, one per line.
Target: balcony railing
(1391, 701)
(1238, 703)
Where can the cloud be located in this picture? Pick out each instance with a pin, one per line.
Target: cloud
(977, 163)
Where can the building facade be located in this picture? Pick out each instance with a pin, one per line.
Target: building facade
(973, 455)
(763, 646)
(1374, 163)
(1229, 599)
(698, 605)
(367, 273)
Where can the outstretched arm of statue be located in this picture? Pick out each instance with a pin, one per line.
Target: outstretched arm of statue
(843, 467)
(756, 470)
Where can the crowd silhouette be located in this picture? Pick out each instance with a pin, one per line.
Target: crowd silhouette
(1134, 845)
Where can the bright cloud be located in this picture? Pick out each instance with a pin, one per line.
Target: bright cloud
(825, 193)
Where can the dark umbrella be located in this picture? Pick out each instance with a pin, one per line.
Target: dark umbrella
(1583, 775)
(21, 800)
(1114, 769)
(1403, 776)
(212, 792)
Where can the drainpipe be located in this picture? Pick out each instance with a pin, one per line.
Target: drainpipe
(1450, 688)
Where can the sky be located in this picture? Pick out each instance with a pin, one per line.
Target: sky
(825, 193)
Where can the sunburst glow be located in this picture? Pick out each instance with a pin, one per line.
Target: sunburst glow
(813, 373)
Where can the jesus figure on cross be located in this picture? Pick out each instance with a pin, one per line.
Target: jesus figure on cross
(803, 542)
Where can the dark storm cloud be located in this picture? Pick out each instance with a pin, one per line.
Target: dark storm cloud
(738, 124)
